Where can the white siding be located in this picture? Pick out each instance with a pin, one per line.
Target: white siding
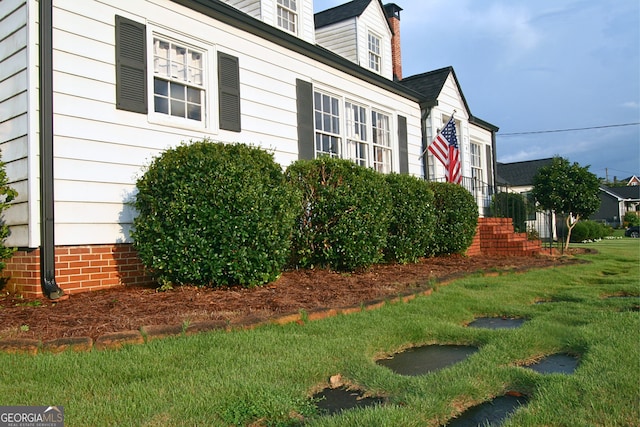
(340, 38)
(374, 20)
(100, 151)
(14, 107)
(250, 7)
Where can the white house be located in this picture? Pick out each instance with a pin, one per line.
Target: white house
(91, 91)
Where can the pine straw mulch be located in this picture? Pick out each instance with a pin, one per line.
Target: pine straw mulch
(92, 314)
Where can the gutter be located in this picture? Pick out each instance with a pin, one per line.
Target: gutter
(47, 223)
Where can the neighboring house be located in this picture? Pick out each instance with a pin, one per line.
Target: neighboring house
(518, 177)
(91, 91)
(633, 180)
(615, 202)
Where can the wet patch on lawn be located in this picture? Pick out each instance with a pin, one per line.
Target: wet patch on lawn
(560, 363)
(491, 413)
(497, 323)
(422, 360)
(331, 401)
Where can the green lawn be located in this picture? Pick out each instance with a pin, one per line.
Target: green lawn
(265, 376)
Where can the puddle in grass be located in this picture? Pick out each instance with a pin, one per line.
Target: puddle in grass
(556, 364)
(333, 400)
(496, 323)
(430, 358)
(489, 413)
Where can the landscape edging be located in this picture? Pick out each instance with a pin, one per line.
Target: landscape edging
(147, 333)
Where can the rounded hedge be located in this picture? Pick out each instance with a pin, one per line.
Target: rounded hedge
(456, 219)
(412, 220)
(214, 214)
(344, 215)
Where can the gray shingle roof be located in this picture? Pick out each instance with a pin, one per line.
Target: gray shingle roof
(628, 192)
(342, 12)
(429, 84)
(520, 174)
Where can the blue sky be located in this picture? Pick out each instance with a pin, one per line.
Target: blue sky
(528, 66)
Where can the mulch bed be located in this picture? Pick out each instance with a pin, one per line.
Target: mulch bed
(93, 314)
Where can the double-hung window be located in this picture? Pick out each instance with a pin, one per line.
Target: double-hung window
(476, 166)
(381, 142)
(353, 131)
(375, 59)
(178, 84)
(327, 124)
(356, 126)
(287, 12)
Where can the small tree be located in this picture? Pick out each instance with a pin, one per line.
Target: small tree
(567, 189)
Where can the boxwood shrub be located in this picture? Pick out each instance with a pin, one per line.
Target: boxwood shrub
(589, 230)
(456, 219)
(214, 214)
(344, 215)
(412, 220)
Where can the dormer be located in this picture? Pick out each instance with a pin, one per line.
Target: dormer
(359, 31)
(292, 16)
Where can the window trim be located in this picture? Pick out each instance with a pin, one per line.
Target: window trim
(209, 85)
(372, 54)
(295, 13)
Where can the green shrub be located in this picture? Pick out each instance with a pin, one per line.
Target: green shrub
(580, 232)
(412, 221)
(456, 219)
(511, 205)
(631, 218)
(7, 194)
(344, 216)
(214, 214)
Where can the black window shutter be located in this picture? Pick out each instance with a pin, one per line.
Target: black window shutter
(489, 166)
(229, 92)
(304, 105)
(403, 152)
(131, 65)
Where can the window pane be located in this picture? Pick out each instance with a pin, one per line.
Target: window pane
(178, 64)
(195, 68)
(161, 57)
(194, 112)
(160, 105)
(193, 95)
(177, 108)
(160, 87)
(177, 91)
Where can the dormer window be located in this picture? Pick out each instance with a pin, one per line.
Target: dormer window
(288, 15)
(375, 59)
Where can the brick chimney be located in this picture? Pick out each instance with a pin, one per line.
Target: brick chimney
(392, 11)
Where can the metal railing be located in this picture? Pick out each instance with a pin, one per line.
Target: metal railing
(502, 201)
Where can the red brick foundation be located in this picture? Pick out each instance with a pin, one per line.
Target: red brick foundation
(78, 269)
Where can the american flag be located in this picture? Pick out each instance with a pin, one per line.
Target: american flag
(445, 148)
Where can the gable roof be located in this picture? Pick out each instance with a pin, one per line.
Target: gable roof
(520, 174)
(345, 11)
(629, 193)
(430, 85)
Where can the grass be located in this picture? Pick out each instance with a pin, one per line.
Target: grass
(265, 376)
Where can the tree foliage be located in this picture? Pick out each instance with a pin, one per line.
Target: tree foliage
(568, 189)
